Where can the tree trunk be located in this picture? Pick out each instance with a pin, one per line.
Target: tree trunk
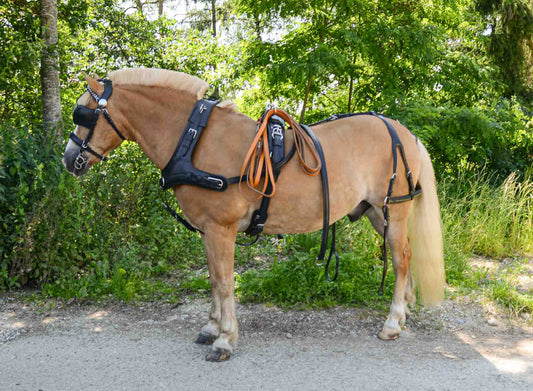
(306, 98)
(214, 16)
(160, 8)
(51, 97)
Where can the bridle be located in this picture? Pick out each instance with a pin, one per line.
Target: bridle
(87, 118)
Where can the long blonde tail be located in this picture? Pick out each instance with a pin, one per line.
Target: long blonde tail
(425, 236)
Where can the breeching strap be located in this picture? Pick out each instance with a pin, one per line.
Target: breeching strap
(413, 192)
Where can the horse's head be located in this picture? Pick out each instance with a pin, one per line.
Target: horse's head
(96, 133)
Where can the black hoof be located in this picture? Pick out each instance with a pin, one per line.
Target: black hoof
(218, 355)
(204, 339)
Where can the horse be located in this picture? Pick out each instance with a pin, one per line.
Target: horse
(151, 107)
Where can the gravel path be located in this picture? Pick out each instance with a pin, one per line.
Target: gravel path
(149, 347)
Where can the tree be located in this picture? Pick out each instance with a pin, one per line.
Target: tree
(50, 68)
(511, 43)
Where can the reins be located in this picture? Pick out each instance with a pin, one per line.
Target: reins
(257, 166)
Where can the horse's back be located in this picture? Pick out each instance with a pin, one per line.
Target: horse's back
(358, 154)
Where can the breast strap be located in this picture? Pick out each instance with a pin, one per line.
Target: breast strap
(180, 169)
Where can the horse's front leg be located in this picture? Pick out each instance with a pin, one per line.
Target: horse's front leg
(221, 329)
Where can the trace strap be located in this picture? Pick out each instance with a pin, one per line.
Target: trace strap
(325, 210)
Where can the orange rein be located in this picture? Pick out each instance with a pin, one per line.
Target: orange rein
(258, 159)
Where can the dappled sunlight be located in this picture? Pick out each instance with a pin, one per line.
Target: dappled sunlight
(98, 315)
(18, 325)
(49, 320)
(445, 353)
(515, 358)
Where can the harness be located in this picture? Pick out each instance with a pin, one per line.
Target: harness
(413, 191)
(87, 117)
(181, 171)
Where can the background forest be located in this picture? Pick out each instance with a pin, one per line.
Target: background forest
(458, 73)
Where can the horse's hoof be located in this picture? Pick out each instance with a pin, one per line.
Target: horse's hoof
(388, 334)
(205, 339)
(218, 355)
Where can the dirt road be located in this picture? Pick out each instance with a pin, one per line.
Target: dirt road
(149, 347)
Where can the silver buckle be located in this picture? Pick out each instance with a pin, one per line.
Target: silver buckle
(277, 130)
(194, 132)
(80, 162)
(219, 181)
(202, 108)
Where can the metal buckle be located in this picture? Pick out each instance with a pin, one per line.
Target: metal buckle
(277, 130)
(194, 132)
(102, 102)
(216, 180)
(202, 108)
(80, 162)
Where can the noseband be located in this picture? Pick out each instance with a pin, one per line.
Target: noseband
(87, 118)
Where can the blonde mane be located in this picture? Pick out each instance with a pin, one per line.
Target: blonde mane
(165, 78)
(160, 77)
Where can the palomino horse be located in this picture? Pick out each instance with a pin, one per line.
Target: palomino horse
(151, 107)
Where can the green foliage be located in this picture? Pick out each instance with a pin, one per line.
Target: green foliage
(478, 218)
(430, 64)
(55, 227)
(511, 42)
(297, 281)
(499, 138)
(493, 221)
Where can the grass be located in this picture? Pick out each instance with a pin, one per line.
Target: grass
(478, 218)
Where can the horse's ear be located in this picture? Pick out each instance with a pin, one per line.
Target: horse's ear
(95, 86)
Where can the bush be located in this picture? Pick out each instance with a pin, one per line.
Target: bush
(57, 228)
(498, 138)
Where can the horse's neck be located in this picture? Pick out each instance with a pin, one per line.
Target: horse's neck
(158, 116)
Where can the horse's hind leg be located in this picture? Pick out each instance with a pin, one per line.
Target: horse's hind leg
(401, 254)
(221, 329)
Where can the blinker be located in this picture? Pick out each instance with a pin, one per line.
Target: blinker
(85, 116)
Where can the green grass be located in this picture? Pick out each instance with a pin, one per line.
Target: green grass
(478, 218)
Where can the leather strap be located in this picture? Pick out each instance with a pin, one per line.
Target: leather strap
(325, 212)
(257, 167)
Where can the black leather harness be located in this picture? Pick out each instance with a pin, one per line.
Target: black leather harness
(87, 118)
(180, 171)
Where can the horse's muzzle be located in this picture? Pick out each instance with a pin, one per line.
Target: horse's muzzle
(75, 163)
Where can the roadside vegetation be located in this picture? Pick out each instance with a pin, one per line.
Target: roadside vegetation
(464, 89)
